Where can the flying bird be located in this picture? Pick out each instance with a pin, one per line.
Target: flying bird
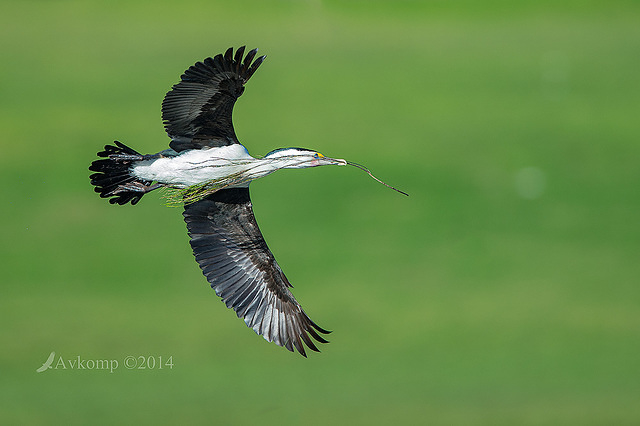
(209, 170)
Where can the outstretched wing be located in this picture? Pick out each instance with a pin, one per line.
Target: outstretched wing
(197, 111)
(234, 257)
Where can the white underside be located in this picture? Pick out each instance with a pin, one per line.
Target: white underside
(195, 166)
(203, 165)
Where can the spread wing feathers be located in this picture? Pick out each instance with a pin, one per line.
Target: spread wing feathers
(197, 111)
(234, 257)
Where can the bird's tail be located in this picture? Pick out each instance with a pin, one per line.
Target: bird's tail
(114, 178)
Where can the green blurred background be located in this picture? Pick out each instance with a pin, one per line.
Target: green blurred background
(504, 290)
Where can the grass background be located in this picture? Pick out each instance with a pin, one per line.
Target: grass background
(504, 290)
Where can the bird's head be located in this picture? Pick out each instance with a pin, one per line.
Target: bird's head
(300, 158)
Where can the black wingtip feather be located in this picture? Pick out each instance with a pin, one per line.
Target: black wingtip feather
(238, 58)
(316, 336)
(228, 55)
(309, 342)
(320, 329)
(247, 60)
(252, 69)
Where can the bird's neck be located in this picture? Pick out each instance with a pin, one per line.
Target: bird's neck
(285, 162)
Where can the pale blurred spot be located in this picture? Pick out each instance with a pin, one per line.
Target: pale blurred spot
(530, 182)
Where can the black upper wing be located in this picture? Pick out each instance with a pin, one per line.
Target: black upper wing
(234, 257)
(197, 111)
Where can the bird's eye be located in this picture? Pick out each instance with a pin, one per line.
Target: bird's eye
(318, 155)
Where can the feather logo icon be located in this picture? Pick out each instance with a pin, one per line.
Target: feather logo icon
(47, 363)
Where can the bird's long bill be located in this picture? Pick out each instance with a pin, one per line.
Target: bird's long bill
(361, 167)
(326, 161)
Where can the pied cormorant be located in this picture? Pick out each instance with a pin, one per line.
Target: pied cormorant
(209, 170)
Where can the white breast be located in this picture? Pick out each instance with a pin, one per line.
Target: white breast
(196, 166)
